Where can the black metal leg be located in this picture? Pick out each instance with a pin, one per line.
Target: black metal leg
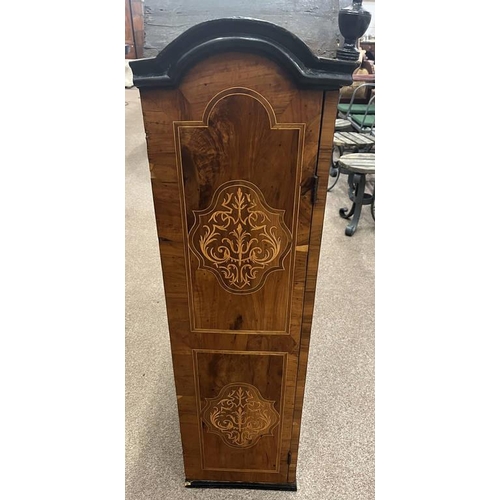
(357, 184)
(372, 206)
(343, 212)
(335, 173)
(334, 170)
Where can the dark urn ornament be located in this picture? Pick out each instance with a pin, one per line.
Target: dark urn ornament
(353, 22)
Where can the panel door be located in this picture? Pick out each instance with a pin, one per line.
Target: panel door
(233, 153)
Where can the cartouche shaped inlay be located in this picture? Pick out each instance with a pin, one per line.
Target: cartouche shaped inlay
(239, 237)
(240, 415)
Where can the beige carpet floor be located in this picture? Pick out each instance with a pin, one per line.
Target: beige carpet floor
(336, 455)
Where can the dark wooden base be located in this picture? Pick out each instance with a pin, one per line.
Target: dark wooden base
(241, 485)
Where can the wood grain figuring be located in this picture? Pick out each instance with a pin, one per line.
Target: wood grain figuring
(236, 121)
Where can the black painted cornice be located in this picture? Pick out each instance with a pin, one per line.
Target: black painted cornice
(242, 35)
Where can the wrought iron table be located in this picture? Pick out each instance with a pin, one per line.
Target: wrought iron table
(357, 166)
(354, 141)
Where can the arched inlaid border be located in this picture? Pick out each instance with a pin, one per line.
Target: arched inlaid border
(274, 124)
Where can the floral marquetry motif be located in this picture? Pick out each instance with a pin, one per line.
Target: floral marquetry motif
(239, 238)
(240, 415)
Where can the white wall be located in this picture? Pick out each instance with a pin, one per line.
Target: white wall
(369, 5)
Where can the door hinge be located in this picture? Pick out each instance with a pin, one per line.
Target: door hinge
(314, 191)
(289, 459)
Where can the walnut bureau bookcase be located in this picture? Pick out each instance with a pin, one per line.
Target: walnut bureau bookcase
(239, 118)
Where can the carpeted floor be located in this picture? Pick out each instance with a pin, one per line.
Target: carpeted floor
(336, 455)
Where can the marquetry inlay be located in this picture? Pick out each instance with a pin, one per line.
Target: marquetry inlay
(239, 237)
(240, 415)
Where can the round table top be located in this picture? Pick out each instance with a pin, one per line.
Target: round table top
(341, 124)
(360, 163)
(353, 139)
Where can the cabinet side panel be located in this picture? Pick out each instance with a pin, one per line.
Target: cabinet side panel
(324, 159)
(243, 350)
